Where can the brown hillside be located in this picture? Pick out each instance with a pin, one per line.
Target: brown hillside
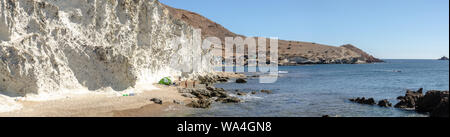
(290, 52)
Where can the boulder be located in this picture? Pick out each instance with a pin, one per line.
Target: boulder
(410, 99)
(435, 102)
(442, 109)
(156, 100)
(363, 100)
(241, 93)
(201, 103)
(188, 95)
(177, 102)
(241, 80)
(384, 103)
(229, 100)
(266, 91)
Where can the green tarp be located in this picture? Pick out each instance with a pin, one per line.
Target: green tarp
(165, 81)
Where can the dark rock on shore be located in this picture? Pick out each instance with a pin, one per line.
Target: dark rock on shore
(241, 80)
(253, 92)
(188, 95)
(410, 99)
(156, 100)
(363, 100)
(384, 103)
(207, 95)
(201, 103)
(229, 100)
(209, 80)
(266, 91)
(434, 102)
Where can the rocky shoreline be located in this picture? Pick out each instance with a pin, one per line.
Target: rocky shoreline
(434, 102)
(205, 94)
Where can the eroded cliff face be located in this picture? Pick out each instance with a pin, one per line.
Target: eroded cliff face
(52, 45)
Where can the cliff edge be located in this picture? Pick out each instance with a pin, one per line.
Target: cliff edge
(49, 46)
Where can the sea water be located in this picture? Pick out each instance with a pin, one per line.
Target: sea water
(317, 90)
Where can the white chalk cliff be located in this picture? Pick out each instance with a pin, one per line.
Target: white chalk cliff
(53, 45)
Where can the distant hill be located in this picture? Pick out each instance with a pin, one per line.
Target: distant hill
(290, 52)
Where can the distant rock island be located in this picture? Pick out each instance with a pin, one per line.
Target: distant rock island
(443, 58)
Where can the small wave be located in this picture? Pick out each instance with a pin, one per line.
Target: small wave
(283, 72)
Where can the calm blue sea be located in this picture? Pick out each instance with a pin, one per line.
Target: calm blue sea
(316, 90)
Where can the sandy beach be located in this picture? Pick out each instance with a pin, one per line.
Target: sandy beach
(104, 105)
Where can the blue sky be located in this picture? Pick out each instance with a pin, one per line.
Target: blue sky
(388, 29)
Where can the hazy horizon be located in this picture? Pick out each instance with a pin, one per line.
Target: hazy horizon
(401, 29)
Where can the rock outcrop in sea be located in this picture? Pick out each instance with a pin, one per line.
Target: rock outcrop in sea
(443, 58)
(433, 102)
(48, 46)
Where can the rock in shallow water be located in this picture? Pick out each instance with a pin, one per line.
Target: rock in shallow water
(229, 100)
(363, 100)
(241, 93)
(434, 102)
(410, 99)
(266, 91)
(384, 103)
(241, 80)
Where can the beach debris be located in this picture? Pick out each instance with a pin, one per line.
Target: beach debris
(156, 100)
(384, 103)
(201, 103)
(266, 91)
(241, 80)
(165, 81)
(363, 100)
(128, 94)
